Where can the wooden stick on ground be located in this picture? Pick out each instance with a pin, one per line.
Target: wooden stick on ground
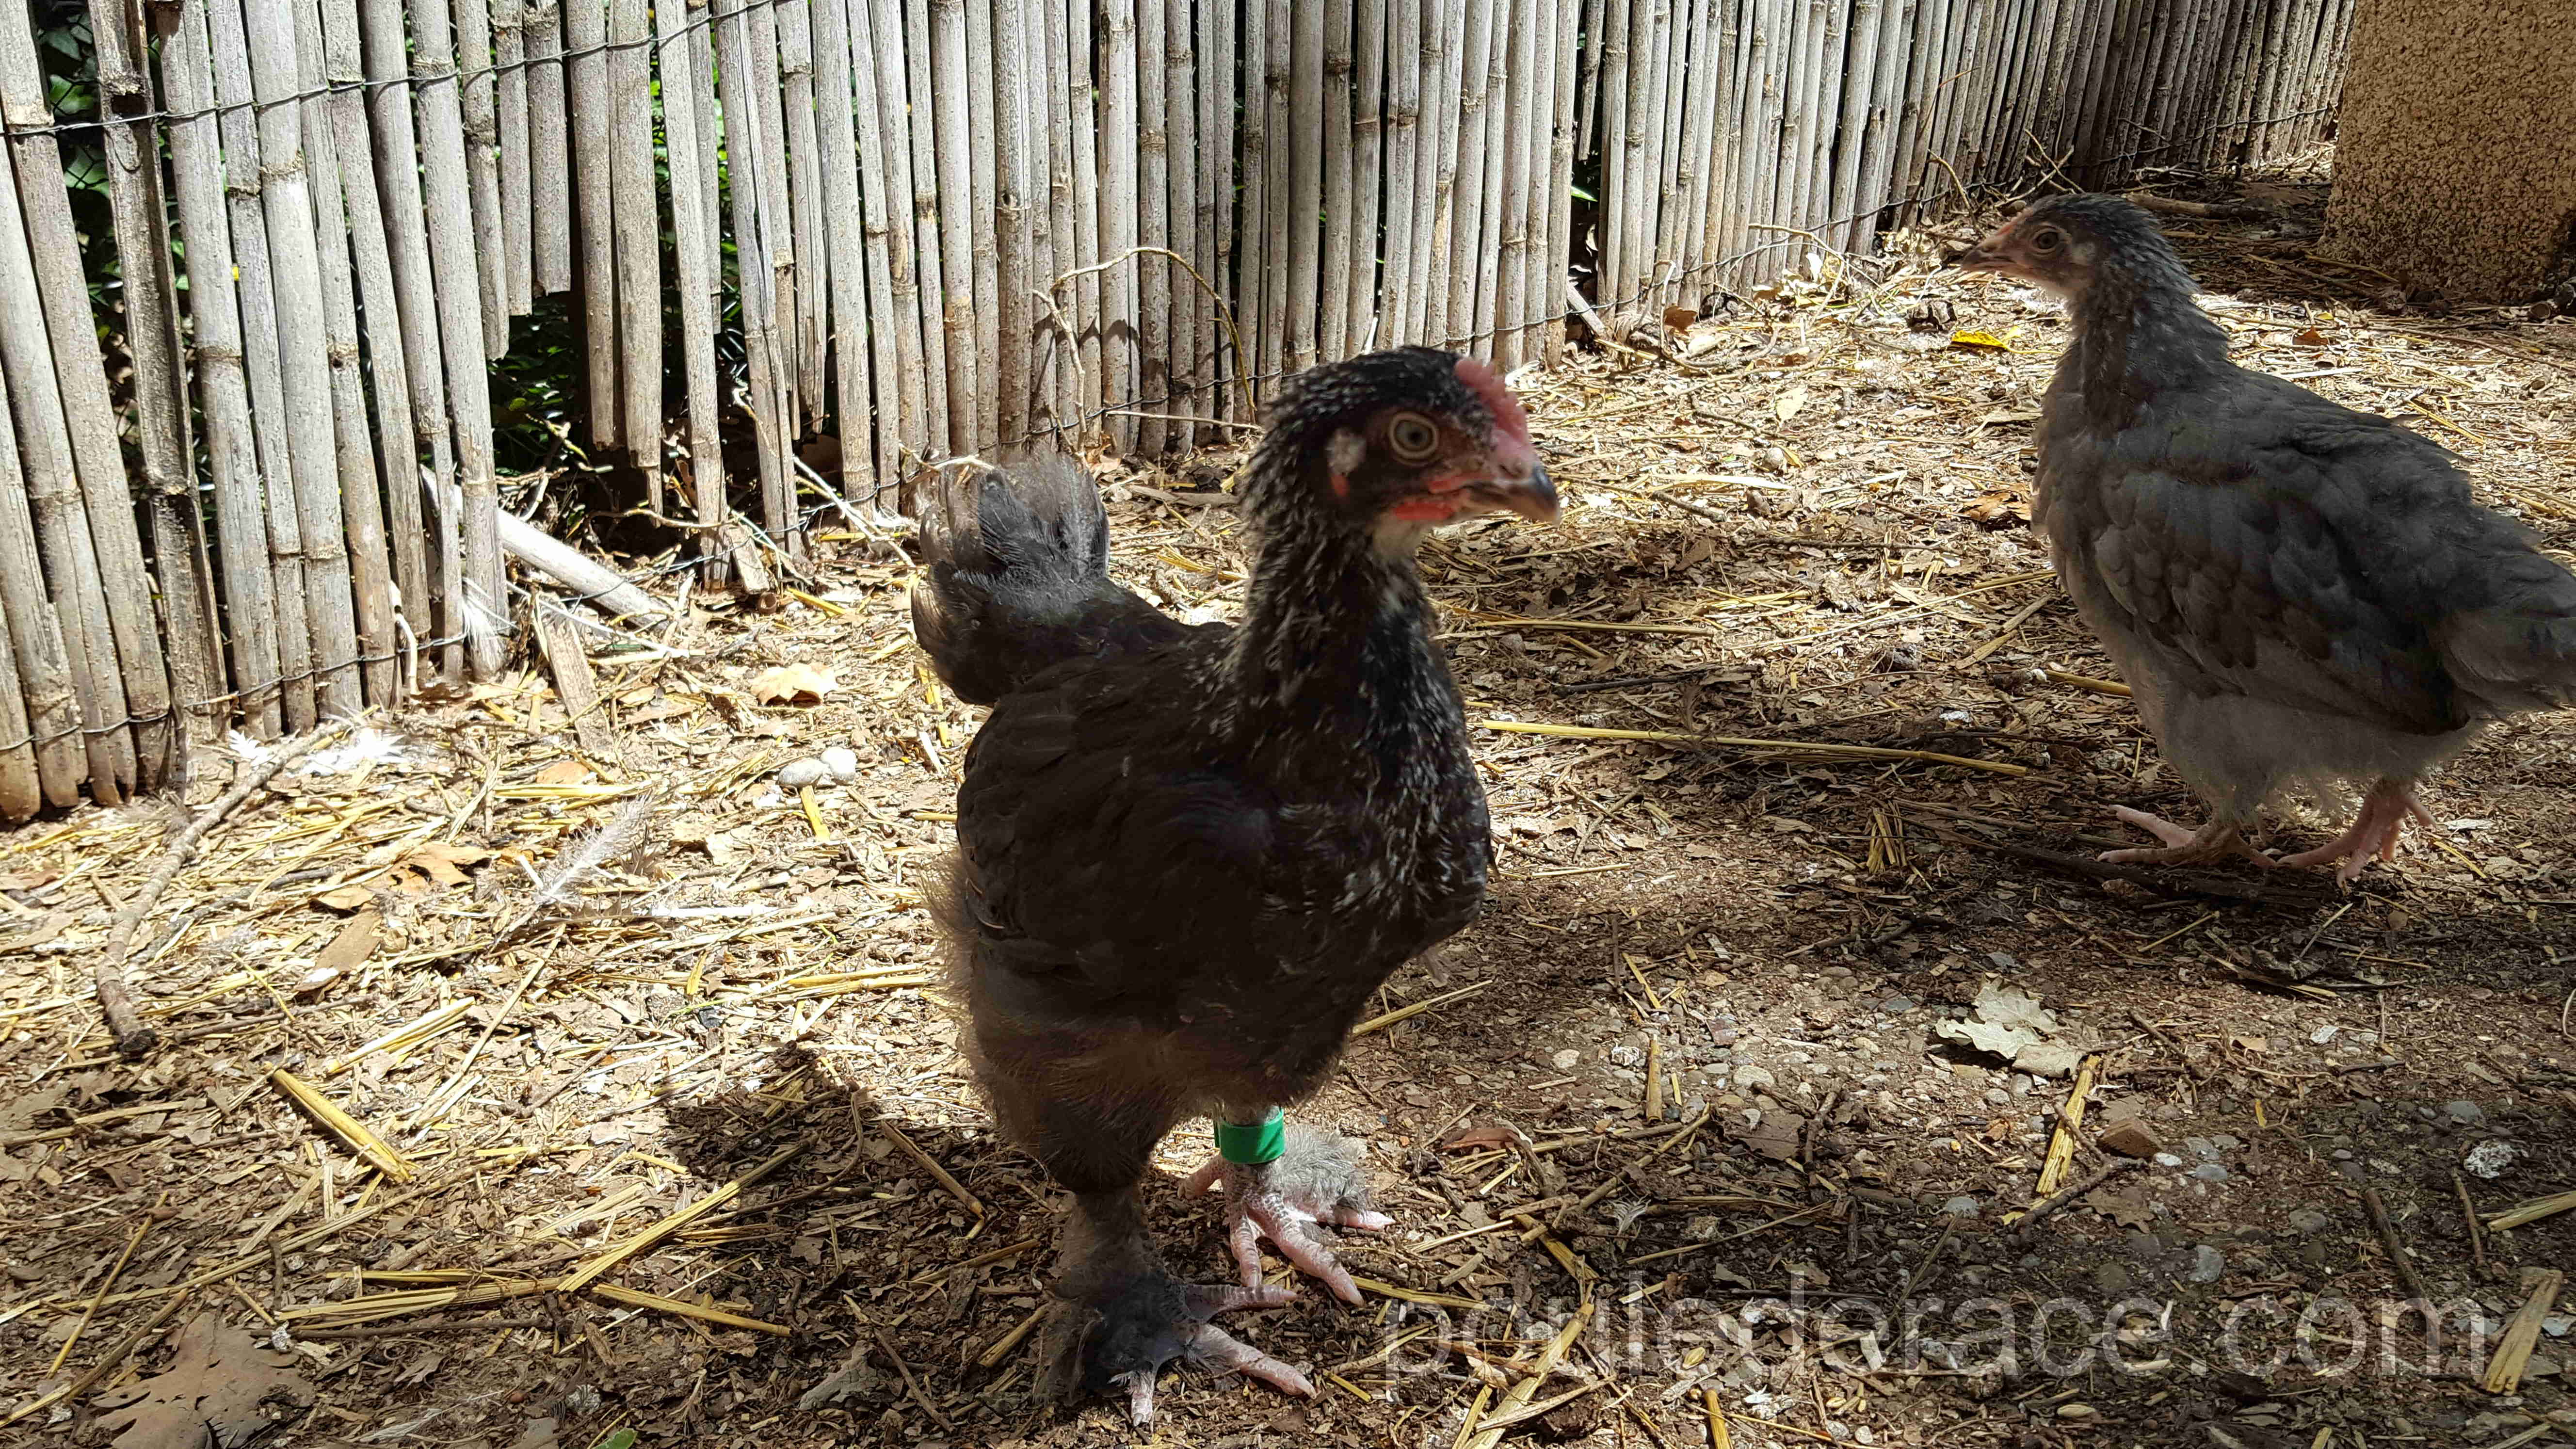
(134, 1040)
(2394, 1245)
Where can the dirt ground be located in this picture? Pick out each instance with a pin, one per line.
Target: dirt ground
(1726, 1108)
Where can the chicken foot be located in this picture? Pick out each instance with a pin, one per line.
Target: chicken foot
(1120, 1315)
(2218, 839)
(1316, 1180)
(2384, 812)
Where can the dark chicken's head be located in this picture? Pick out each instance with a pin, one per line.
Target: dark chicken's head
(1397, 443)
(2065, 242)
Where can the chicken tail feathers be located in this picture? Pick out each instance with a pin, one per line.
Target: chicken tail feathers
(1015, 577)
(2518, 654)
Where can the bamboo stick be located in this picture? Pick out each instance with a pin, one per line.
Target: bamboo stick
(1014, 215)
(1479, 334)
(1063, 365)
(303, 355)
(1219, 93)
(756, 272)
(986, 248)
(1615, 267)
(1083, 125)
(1858, 106)
(956, 222)
(594, 185)
(1306, 143)
(903, 62)
(1340, 148)
(1548, 294)
(360, 493)
(475, 612)
(1512, 254)
(1878, 160)
(1181, 103)
(1397, 291)
(1368, 152)
(90, 418)
(472, 38)
(371, 254)
(385, 52)
(271, 418)
(865, 321)
(1725, 221)
(684, 91)
(1922, 59)
(1118, 213)
(885, 156)
(249, 589)
(1128, 148)
(22, 788)
(1950, 81)
(1663, 230)
(166, 450)
(1278, 192)
(1594, 33)
(510, 98)
(807, 338)
(1799, 124)
(1704, 75)
(47, 726)
(702, 62)
(1446, 102)
(1042, 97)
(1253, 245)
(549, 151)
(777, 210)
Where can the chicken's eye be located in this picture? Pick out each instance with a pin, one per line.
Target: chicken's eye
(2048, 241)
(1413, 437)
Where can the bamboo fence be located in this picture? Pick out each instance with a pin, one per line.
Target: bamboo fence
(925, 227)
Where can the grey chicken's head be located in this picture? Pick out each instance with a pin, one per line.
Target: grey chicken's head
(1396, 443)
(2066, 243)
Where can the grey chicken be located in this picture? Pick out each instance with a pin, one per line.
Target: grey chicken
(2298, 594)
(1187, 855)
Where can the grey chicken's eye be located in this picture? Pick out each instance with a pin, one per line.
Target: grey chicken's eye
(1413, 437)
(2048, 241)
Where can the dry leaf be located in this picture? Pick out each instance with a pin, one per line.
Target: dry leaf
(564, 772)
(2311, 338)
(355, 943)
(793, 684)
(346, 898)
(2251, 1043)
(439, 861)
(1786, 406)
(221, 1388)
(1976, 340)
(1997, 510)
(1678, 318)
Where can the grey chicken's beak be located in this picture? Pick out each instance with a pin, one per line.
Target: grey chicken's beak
(1985, 256)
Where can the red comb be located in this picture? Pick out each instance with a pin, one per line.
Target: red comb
(1497, 398)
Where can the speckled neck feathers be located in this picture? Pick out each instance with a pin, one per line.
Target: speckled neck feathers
(2137, 330)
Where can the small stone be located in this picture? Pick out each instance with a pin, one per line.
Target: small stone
(2167, 1159)
(843, 762)
(796, 774)
(2111, 1280)
(1750, 1077)
(2489, 1159)
(2208, 1265)
(1566, 1059)
(1960, 1207)
(2047, 1059)
(2130, 1139)
(2210, 1172)
(2308, 1222)
(2076, 1411)
(1897, 1005)
(2466, 1114)
(1998, 1097)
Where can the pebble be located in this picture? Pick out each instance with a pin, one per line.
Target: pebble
(1751, 1076)
(2208, 1265)
(2309, 1222)
(2076, 1411)
(2210, 1172)
(1566, 1059)
(2466, 1114)
(1897, 1005)
(2489, 1159)
(796, 774)
(842, 762)
(1998, 1097)
(2111, 1280)
(1960, 1207)
(2167, 1159)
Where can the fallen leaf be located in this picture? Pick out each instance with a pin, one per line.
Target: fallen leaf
(2120, 1207)
(346, 898)
(221, 1388)
(1986, 340)
(1776, 1136)
(1786, 405)
(2251, 1043)
(564, 772)
(28, 880)
(1997, 510)
(2311, 338)
(439, 861)
(793, 684)
(352, 946)
(1988, 1037)
(1678, 318)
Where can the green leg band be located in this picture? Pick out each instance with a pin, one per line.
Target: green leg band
(1252, 1144)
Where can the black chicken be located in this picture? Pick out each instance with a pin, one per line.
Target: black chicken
(1188, 855)
(2297, 593)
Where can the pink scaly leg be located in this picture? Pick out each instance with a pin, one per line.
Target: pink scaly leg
(2384, 812)
(2214, 841)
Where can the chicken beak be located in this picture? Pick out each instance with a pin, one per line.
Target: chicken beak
(1986, 256)
(1520, 484)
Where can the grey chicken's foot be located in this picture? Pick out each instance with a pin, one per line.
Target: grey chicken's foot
(1119, 1316)
(1317, 1180)
(2216, 840)
(2384, 812)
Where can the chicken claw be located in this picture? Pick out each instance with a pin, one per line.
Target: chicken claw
(1118, 1329)
(2216, 840)
(2384, 813)
(1317, 1180)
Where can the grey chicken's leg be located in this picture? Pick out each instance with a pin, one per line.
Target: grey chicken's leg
(1317, 1180)
(2216, 840)
(2384, 812)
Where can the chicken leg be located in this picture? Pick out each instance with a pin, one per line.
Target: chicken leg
(2217, 840)
(2384, 812)
(1316, 1180)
